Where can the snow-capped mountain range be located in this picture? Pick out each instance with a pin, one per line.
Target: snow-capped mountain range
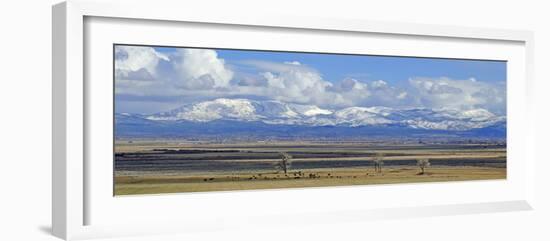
(280, 113)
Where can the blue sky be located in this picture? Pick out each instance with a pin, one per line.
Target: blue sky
(152, 79)
(389, 68)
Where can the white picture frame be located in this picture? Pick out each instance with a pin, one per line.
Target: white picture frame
(73, 195)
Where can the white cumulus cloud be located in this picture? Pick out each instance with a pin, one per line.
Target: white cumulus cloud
(459, 94)
(297, 85)
(202, 69)
(130, 59)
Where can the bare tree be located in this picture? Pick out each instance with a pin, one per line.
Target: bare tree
(378, 162)
(423, 164)
(285, 162)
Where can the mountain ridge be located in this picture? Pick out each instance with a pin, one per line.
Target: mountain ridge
(277, 112)
(244, 117)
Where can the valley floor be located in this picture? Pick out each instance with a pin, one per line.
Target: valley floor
(152, 184)
(151, 167)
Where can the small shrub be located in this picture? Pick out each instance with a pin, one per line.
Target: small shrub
(423, 164)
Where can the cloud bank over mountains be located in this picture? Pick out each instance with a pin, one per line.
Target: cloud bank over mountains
(190, 75)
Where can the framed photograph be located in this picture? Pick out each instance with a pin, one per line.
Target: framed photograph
(190, 119)
(177, 121)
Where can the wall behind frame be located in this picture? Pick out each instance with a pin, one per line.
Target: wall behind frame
(25, 101)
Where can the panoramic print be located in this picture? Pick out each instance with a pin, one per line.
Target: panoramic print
(196, 119)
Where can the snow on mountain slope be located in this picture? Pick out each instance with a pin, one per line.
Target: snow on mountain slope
(239, 109)
(280, 113)
(360, 116)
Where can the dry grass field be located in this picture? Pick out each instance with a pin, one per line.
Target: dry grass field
(151, 184)
(143, 167)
